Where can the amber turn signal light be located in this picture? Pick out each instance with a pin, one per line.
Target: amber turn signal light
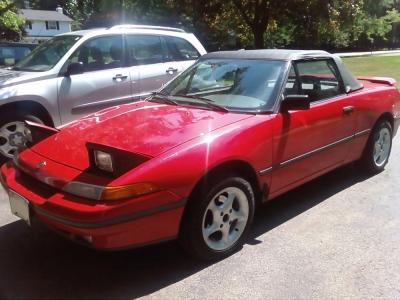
(128, 191)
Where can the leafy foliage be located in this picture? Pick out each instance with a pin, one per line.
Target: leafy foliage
(226, 24)
(11, 25)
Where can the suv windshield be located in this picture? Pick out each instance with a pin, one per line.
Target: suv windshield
(235, 84)
(47, 55)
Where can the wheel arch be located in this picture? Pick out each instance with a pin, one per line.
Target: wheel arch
(236, 167)
(30, 107)
(386, 116)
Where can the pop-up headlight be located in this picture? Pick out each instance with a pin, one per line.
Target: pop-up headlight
(103, 161)
(35, 132)
(112, 161)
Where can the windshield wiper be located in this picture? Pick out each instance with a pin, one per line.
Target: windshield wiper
(209, 103)
(161, 98)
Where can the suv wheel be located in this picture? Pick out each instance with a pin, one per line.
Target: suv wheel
(12, 135)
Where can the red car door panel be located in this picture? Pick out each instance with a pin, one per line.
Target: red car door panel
(308, 142)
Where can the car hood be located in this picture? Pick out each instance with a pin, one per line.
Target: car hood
(144, 127)
(11, 77)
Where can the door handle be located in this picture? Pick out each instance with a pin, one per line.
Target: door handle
(348, 109)
(171, 70)
(119, 77)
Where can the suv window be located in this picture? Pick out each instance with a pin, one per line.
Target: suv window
(180, 49)
(48, 54)
(145, 49)
(100, 53)
(317, 79)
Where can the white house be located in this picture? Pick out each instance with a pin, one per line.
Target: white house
(43, 24)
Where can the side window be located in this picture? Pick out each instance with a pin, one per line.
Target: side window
(145, 49)
(100, 53)
(318, 79)
(292, 84)
(180, 49)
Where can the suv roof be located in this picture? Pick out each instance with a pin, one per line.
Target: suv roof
(129, 28)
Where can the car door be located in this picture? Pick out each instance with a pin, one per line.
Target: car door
(148, 58)
(313, 141)
(105, 80)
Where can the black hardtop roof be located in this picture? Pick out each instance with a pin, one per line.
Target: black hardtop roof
(288, 55)
(272, 54)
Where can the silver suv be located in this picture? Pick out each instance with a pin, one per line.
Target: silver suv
(80, 72)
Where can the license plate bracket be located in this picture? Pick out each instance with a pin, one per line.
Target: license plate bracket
(19, 206)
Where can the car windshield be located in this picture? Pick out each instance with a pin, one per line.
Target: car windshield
(233, 84)
(48, 54)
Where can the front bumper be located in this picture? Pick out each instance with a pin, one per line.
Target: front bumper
(128, 223)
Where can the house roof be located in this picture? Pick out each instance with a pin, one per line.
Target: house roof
(44, 15)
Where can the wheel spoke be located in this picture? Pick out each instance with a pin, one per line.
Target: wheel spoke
(20, 127)
(377, 148)
(7, 148)
(225, 235)
(211, 229)
(228, 202)
(237, 215)
(4, 132)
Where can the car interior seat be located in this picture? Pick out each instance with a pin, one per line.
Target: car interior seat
(97, 62)
(116, 56)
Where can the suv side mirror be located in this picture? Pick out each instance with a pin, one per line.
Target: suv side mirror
(75, 68)
(295, 102)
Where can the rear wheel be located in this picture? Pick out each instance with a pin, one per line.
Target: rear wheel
(12, 133)
(218, 220)
(377, 152)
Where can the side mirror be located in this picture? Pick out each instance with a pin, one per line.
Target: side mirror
(75, 68)
(348, 89)
(295, 102)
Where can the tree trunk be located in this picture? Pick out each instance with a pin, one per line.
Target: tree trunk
(258, 38)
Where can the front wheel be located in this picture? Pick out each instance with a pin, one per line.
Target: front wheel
(12, 133)
(377, 152)
(217, 221)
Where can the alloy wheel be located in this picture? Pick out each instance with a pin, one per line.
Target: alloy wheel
(382, 146)
(225, 218)
(12, 137)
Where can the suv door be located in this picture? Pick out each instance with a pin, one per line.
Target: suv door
(308, 142)
(180, 50)
(148, 56)
(105, 80)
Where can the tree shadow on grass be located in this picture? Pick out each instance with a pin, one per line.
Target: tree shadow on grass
(36, 263)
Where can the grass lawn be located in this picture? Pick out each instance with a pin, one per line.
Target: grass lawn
(384, 66)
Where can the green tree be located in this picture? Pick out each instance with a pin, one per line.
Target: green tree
(11, 24)
(259, 14)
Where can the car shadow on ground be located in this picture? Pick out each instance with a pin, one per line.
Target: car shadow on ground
(36, 263)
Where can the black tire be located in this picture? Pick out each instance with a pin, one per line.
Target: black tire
(367, 161)
(14, 116)
(191, 234)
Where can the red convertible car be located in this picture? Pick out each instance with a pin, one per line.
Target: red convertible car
(193, 161)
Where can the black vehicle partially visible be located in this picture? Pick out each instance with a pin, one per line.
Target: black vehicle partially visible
(11, 53)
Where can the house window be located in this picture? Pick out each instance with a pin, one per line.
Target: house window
(28, 25)
(52, 25)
